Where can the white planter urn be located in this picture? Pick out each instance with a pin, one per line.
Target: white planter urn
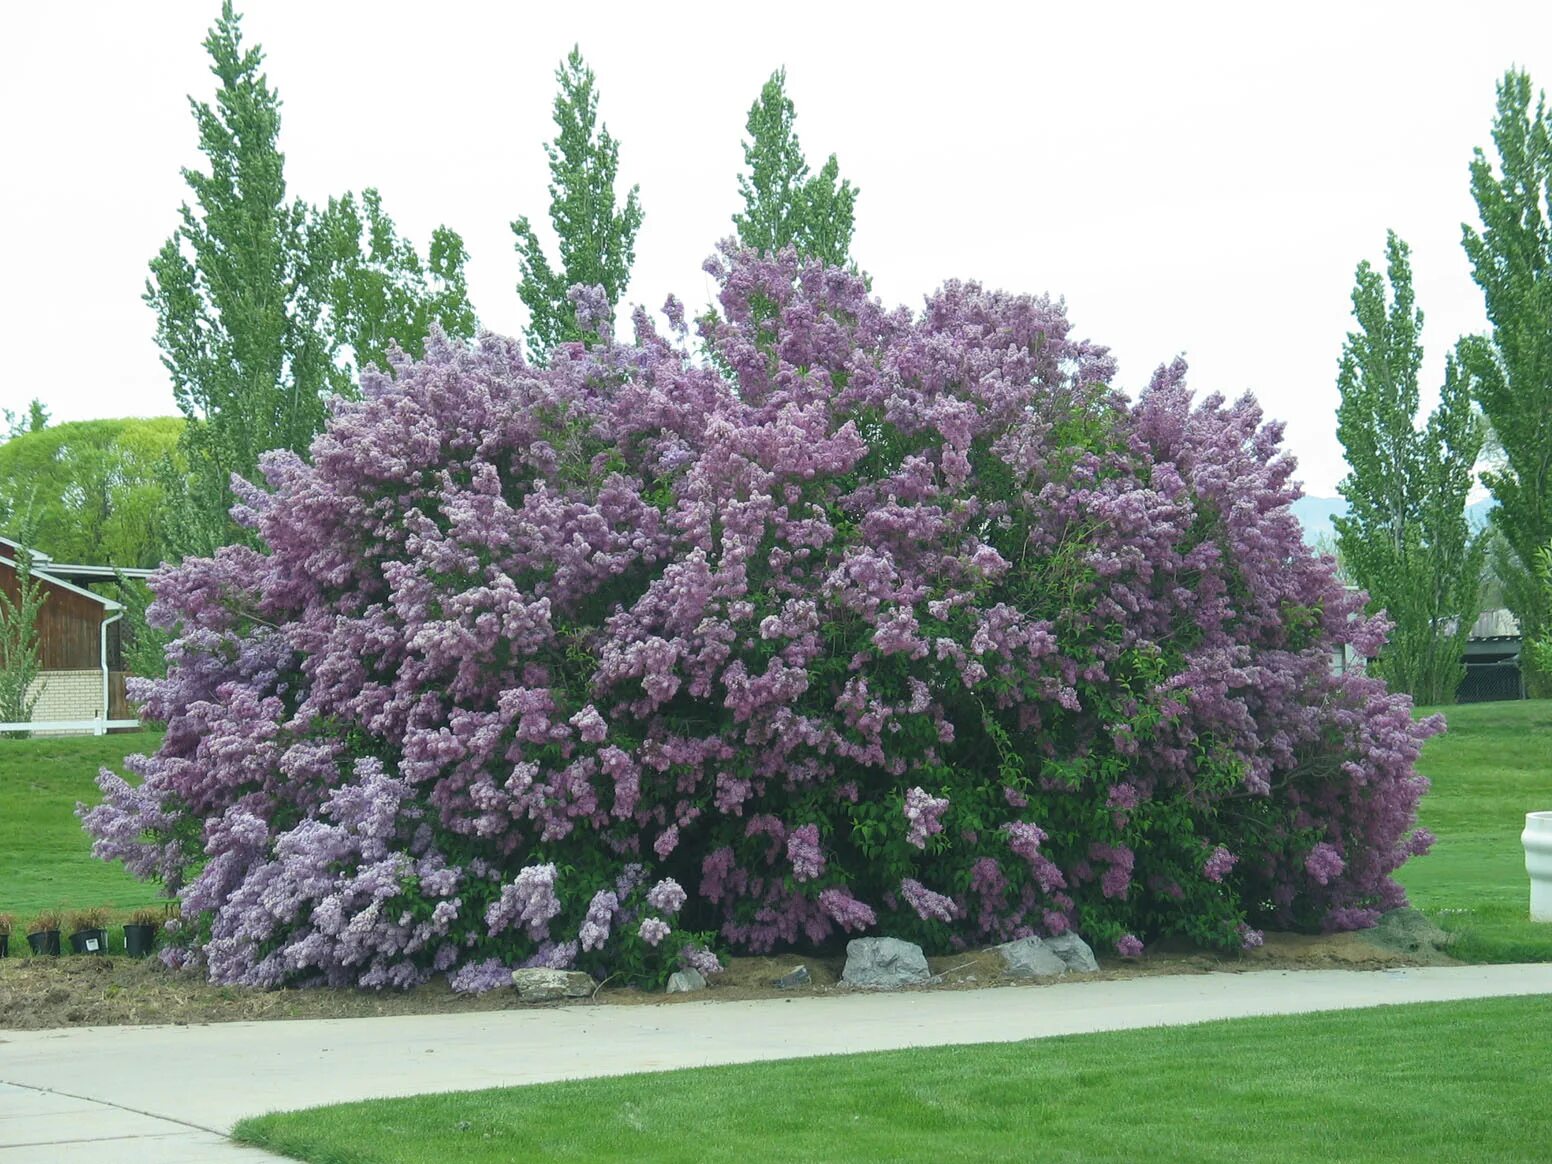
(1537, 839)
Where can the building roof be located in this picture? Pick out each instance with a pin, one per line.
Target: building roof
(1494, 624)
(12, 546)
(45, 576)
(81, 573)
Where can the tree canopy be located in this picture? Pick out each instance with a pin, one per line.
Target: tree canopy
(94, 489)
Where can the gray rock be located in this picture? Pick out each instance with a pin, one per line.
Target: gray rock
(684, 981)
(884, 964)
(535, 985)
(1074, 951)
(1030, 958)
(793, 978)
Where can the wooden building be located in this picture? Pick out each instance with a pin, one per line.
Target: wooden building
(78, 639)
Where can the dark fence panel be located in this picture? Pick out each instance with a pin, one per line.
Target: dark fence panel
(1488, 682)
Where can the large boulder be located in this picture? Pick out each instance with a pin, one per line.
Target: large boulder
(548, 985)
(686, 980)
(884, 964)
(1030, 958)
(1074, 951)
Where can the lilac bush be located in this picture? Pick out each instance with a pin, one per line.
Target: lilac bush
(830, 620)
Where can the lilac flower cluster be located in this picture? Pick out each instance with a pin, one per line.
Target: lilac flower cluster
(923, 816)
(521, 643)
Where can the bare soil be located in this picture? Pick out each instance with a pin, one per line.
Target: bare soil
(38, 993)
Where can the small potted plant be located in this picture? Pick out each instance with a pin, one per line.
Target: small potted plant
(89, 932)
(140, 932)
(43, 932)
(6, 921)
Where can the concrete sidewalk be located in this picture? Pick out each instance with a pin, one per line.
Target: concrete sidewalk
(122, 1092)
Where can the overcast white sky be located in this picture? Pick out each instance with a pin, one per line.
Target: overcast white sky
(1192, 178)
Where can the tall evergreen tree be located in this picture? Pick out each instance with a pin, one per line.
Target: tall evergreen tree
(597, 242)
(783, 204)
(237, 320)
(1405, 538)
(1511, 370)
(379, 290)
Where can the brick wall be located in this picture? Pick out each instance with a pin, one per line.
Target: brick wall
(67, 695)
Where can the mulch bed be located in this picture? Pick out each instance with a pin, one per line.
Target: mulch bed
(78, 991)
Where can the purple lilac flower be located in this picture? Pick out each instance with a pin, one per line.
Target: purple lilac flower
(845, 910)
(530, 901)
(667, 896)
(653, 930)
(600, 916)
(1324, 863)
(597, 608)
(701, 959)
(1128, 946)
(927, 904)
(481, 977)
(803, 851)
(1218, 864)
(923, 815)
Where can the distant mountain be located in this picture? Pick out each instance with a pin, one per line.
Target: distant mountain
(1315, 514)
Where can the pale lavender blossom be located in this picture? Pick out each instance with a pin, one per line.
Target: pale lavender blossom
(653, 930)
(803, 851)
(923, 815)
(667, 896)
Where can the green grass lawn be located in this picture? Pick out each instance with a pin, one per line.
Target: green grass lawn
(1492, 767)
(1449, 1081)
(45, 858)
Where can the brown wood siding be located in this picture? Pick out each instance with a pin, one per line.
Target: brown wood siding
(118, 700)
(68, 626)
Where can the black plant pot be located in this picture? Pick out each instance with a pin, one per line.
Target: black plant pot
(46, 942)
(5, 945)
(89, 942)
(139, 940)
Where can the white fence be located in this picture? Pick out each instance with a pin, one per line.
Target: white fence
(97, 727)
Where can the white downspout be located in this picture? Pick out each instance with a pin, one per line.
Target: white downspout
(103, 656)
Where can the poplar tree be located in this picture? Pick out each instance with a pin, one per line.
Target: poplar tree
(783, 204)
(238, 321)
(380, 292)
(1511, 369)
(597, 242)
(266, 308)
(1406, 539)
